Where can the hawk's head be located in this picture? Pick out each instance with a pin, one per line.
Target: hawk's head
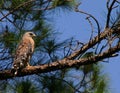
(29, 34)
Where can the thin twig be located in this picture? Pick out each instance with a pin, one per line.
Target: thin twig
(77, 10)
(96, 21)
(15, 9)
(110, 8)
(107, 4)
(9, 20)
(118, 2)
(91, 27)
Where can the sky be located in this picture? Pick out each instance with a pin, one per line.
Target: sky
(73, 24)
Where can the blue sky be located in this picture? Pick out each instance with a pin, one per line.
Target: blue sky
(74, 25)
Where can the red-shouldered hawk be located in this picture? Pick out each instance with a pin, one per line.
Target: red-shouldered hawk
(23, 52)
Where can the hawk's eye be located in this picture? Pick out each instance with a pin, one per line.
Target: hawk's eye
(31, 34)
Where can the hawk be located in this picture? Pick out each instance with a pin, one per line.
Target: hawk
(23, 52)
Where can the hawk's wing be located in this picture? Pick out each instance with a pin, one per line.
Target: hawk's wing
(23, 54)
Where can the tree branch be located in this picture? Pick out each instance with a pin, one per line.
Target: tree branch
(89, 15)
(24, 5)
(71, 60)
(92, 43)
(61, 64)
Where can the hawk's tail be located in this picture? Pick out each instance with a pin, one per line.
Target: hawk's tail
(15, 70)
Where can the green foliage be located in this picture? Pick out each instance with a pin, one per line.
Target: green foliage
(43, 31)
(26, 87)
(65, 4)
(3, 86)
(56, 85)
(61, 3)
(16, 3)
(9, 40)
(101, 88)
(92, 77)
(22, 86)
(1, 3)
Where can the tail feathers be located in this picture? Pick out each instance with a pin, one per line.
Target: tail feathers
(15, 70)
(17, 66)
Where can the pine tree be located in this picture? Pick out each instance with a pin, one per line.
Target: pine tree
(19, 16)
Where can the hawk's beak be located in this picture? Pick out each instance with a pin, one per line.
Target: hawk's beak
(34, 35)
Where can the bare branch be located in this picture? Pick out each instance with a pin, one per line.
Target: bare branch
(118, 2)
(9, 19)
(107, 4)
(80, 11)
(110, 8)
(96, 21)
(92, 28)
(91, 43)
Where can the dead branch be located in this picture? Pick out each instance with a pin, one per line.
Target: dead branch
(89, 15)
(91, 43)
(109, 8)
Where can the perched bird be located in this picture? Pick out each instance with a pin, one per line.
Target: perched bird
(23, 52)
